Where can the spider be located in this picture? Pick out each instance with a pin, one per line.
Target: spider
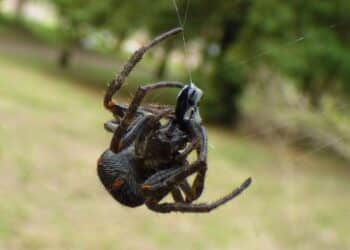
(147, 156)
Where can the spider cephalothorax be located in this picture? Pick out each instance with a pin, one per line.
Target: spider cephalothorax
(147, 157)
(163, 144)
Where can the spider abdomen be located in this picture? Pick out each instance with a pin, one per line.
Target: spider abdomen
(116, 173)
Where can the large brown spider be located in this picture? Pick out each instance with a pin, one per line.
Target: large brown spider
(147, 158)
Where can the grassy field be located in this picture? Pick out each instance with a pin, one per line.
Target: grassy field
(51, 135)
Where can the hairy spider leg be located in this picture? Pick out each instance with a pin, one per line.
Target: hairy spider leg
(164, 181)
(153, 203)
(116, 143)
(118, 81)
(137, 128)
(184, 185)
(176, 194)
(200, 143)
(111, 126)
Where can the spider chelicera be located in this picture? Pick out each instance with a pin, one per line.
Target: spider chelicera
(147, 156)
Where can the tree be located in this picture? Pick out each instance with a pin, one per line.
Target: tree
(19, 6)
(158, 17)
(76, 18)
(317, 51)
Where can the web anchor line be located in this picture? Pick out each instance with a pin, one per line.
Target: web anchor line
(182, 24)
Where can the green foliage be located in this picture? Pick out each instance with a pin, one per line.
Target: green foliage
(224, 89)
(308, 41)
(297, 35)
(77, 16)
(77, 19)
(305, 40)
(28, 30)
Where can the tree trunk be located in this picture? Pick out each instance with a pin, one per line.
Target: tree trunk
(231, 89)
(162, 66)
(121, 38)
(313, 89)
(19, 5)
(315, 99)
(64, 58)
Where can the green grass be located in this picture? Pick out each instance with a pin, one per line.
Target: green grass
(51, 135)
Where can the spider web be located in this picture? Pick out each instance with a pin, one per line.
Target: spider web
(182, 24)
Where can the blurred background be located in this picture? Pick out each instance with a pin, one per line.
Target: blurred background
(276, 78)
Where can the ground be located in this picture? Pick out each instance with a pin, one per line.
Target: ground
(51, 135)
